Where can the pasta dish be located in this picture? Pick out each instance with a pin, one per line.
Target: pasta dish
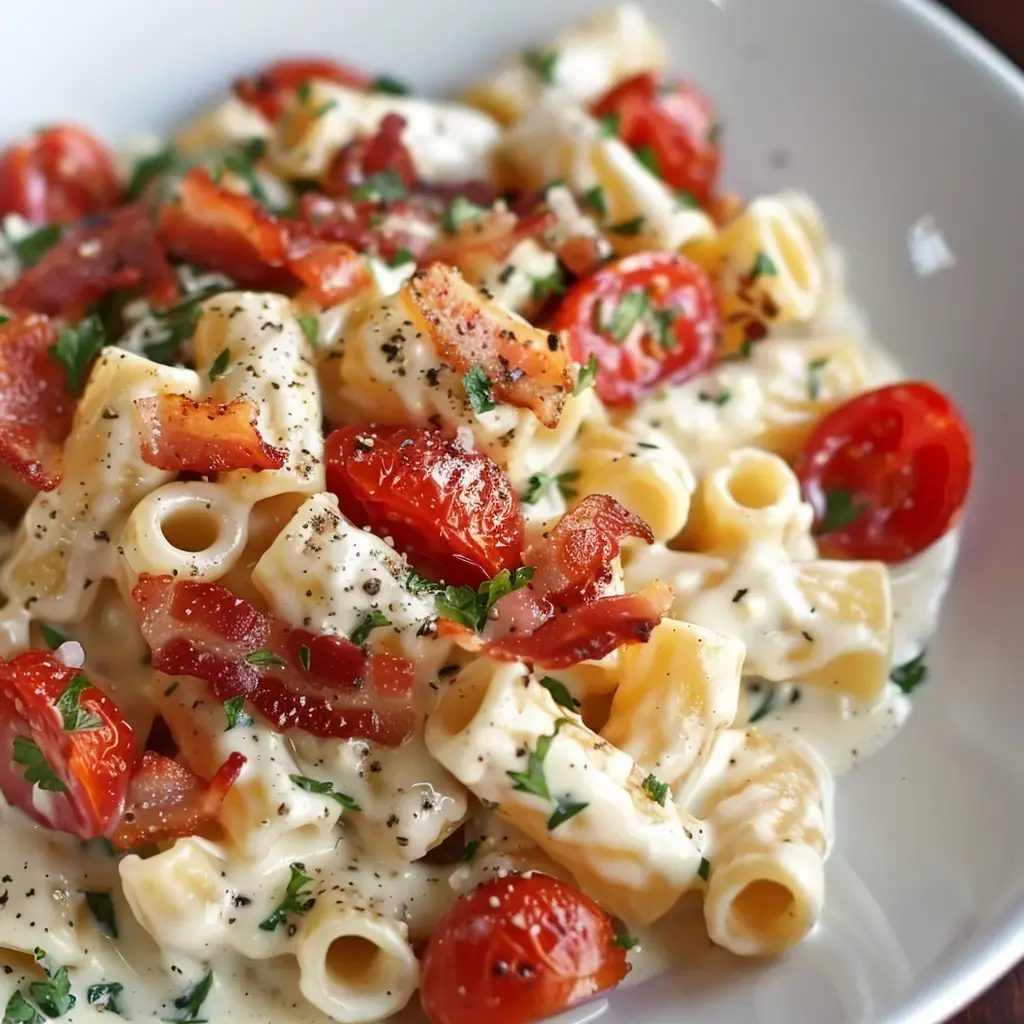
(447, 546)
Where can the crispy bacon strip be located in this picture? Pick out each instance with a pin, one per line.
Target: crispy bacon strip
(382, 152)
(333, 271)
(179, 434)
(527, 367)
(167, 801)
(110, 251)
(35, 407)
(332, 688)
(493, 236)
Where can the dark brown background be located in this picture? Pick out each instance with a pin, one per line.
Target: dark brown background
(1002, 21)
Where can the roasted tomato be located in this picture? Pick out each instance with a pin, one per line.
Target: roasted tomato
(673, 130)
(58, 175)
(650, 318)
(887, 473)
(453, 511)
(381, 153)
(270, 89)
(59, 731)
(518, 949)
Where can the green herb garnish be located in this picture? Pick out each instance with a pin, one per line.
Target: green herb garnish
(369, 623)
(52, 636)
(470, 607)
(73, 717)
(594, 200)
(460, 211)
(543, 63)
(564, 810)
(384, 186)
(52, 996)
(105, 996)
(655, 789)
(704, 869)
(540, 482)
(609, 125)
(192, 1000)
(470, 851)
(297, 900)
(764, 266)
(909, 676)
(543, 287)
(631, 309)
(627, 228)
(840, 510)
(389, 85)
(37, 768)
(264, 658)
(814, 368)
(32, 248)
(324, 789)
(623, 940)
(102, 909)
(234, 710)
(75, 349)
(478, 389)
(220, 364)
(560, 693)
(647, 156)
(587, 375)
(310, 328)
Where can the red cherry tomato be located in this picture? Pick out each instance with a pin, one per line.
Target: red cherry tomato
(518, 949)
(269, 90)
(91, 765)
(887, 473)
(58, 175)
(676, 127)
(454, 511)
(649, 318)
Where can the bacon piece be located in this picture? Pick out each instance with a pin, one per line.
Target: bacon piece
(110, 251)
(167, 801)
(232, 233)
(179, 434)
(270, 89)
(203, 630)
(527, 367)
(35, 407)
(333, 271)
(380, 153)
(492, 236)
(575, 562)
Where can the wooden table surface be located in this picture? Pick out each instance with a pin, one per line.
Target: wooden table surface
(1002, 21)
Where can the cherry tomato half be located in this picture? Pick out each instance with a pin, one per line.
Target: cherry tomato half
(269, 90)
(887, 473)
(649, 318)
(518, 949)
(453, 511)
(58, 175)
(674, 130)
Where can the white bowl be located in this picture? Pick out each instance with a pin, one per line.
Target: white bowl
(908, 129)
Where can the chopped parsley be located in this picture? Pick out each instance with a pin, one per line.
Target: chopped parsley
(661, 323)
(170, 689)
(385, 186)
(32, 248)
(609, 125)
(460, 211)
(533, 780)
(543, 63)
(149, 168)
(840, 510)
(704, 869)
(264, 657)
(540, 482)
(102, 909)
(765, 708)
(105, 996)
(243, 164)
(560, 693)
(75, 349)
(304, 653)
(310, 328)
(764, 266)
(401, 257)
(630, 310)
(647, 156)
(470, 607)
(177, 325)
(550, 284)
(191, 1001)
(324, 789)
(220, 364)
(52, 636)
(720, 399)
(909, 676)
(593, 199)
(814, 368)
(297, 899)
(688, 199)
(4, 319)
(478, 389)
(470, 851)
(417, 583)
(72, 716)
(20, 1011)
(627, 228)
(655, 789)
(37, 768)
(370, 622)
(623, 940)
(52, 996)
(390, 86)
(234, 709)
(587, 375)
(564, 810)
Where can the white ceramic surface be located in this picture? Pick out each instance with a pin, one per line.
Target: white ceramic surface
(910, 132)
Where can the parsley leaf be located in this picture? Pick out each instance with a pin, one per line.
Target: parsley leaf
(631, 308)
(704, 869)
(609, 125)
(533, 780)
(647, 156)
(149, 168)
(623, 940)
(840, 510)
(594, 200)
(37, 768)
(564, 810)
(460, 211)
(400, 258)
(587, 375)
(560, 693)
(543, 287)
(324, 789)
(389, 85)
(688, 199)
(243, 164)
(765, 707)
(543, 63)
(384, 186)
(304, 653)
(52, 996)
(73, 717)
(102, 908)
(264, 658)
(764, 266)
(297, 899)
(469, 607)
(20, 1011)
(459, 604)
(52, 636)
(177, 325)
(220, 364)
(540, 482)
(234, 709)
(370, 622)
(32, 248)
(627, 228)
(192, 1000)
(310, 328)
(662, 324)
(76, 348)
(720, 399)
(909, 676)
(170, 689)
(478, 389)
(416, 583)
(655, 789)
(470, 851)
(814, 368)
(105, 995)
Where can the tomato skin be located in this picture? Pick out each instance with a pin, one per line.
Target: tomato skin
(542, 948)
(631, 369)
(58, 175)
(904, 452)
(269, 90)
(94, 765)
(677, 124)
(453, 510)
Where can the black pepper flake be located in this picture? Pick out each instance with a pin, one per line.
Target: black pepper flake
(740, 594)
(553, 342)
